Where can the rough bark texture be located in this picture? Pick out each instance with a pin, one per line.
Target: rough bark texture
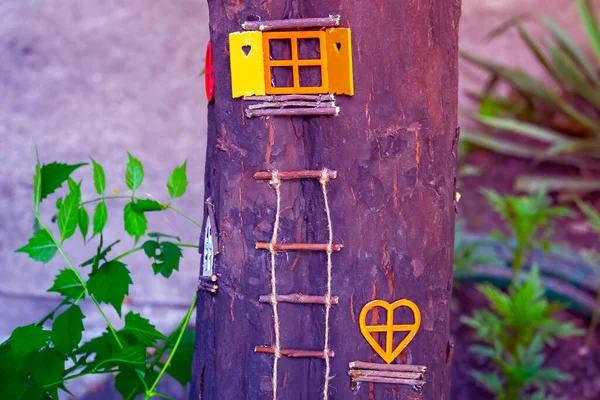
(393, 146)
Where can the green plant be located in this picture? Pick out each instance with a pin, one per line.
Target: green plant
(467, 254)
(520, 322)
(37, 359)
(513, 334)
(529, 220)
(593, 259)
(558, 122)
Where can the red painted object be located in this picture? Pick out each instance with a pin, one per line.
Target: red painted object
(209, 73)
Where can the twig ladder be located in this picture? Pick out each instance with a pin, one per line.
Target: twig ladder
(275, 178)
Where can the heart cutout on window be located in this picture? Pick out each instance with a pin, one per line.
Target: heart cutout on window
(246, 49)
(389, 329)
(338, 46)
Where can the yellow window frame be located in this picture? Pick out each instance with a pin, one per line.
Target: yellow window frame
(295, 63)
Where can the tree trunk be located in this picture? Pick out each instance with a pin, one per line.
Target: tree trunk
(393, 146)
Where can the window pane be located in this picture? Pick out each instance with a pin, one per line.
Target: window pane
(280, 49)
(310, 77)
(309, 49)
(282, 77)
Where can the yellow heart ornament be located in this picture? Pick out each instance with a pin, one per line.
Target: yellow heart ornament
(389, 354)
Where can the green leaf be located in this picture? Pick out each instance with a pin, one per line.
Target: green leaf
(170, 254)
(13, 363)
(103, 347)
(145, 205)
(37, 184)
(13, 388)
(54, 175)
(68, 284)
(528, 85)
(150, 247)
(74, 187)
(552, 184)
(572, 76)
(100, 255)
(99, 177)
(84, 222)
(67, 329)
(110, 284)
(142, 329)
(177, 183)
(129, 382)
(132, 355)
(134, 174)
(161, 235)
(47, 367)
(100, 217)
(135, 221)
(592, 215)
(586, 10)
(40, 247)
(28, 339)
(69, 213)
(571, 49)
(491, 382)
(166, 260)
(534, 48)
(527, 130)
(181, 363)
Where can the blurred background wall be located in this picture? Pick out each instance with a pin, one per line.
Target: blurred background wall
(87, 78)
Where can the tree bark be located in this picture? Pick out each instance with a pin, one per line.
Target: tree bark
(393, 146)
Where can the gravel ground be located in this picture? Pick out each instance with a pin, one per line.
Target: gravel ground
(84, 78)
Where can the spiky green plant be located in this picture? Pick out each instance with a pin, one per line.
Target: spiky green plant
(558, 121)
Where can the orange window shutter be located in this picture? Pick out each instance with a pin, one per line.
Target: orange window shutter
(339, 60)
(247, 64)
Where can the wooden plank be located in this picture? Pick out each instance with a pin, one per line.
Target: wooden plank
(288, 112)
(300, 23)
(387, 367)
(386, 374)
(391, 381)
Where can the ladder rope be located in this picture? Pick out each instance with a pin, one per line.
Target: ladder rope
(323, 180)
(275, 183)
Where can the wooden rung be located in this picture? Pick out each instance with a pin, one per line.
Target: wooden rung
(293, 353)
(289, 175)
(212, 278)
(387, 367)
(298, 246)
(289, 104)
(288, 97)
(385, 374)
(298, 298)
(393, 381)
(300, 23)
(290, 112)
